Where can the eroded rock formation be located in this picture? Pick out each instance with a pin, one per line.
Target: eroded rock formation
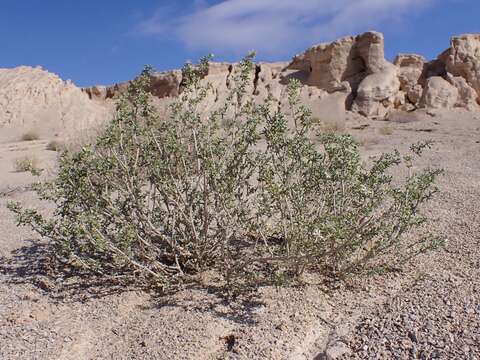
(463, 59)
(349, 74)
(163, 84)
(349, 59)
(378, 87)
(410, 71)
(439, 94)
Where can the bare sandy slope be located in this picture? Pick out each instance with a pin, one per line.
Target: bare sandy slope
(431, 309)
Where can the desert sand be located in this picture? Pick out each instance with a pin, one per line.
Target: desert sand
(428, 309)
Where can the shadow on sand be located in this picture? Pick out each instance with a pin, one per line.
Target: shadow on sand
(33, 265)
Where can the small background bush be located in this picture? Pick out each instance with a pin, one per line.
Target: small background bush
(55, 145)
(27, 164)
(30, 136)
(386, 130)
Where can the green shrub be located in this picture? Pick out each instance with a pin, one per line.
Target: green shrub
(241, 189)
(55, 145)
(329, 126)
(27, 164)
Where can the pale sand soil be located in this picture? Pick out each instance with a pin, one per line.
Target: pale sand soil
(430, 310)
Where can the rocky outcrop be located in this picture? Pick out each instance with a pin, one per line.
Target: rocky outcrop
(410, 70)
(162, 84)
(463, 59)
(361, 62)
(459, 68)
(166, 84)
(467, 96)
(326, 66)
(439, 94)
(377, 93)
(348, 59)
(370, 48)
(98, 92)
(451, 80)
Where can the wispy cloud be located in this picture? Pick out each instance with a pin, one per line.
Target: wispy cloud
(273, 26)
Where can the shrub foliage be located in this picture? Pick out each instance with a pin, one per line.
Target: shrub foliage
(27, 164)
(240, 189)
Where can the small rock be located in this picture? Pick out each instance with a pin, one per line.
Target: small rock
(337, 350)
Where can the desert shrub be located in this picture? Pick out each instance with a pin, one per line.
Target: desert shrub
(242, 189)
(30, 136)
(55, 145)
(27, 164)
(329, 126)
(331, 211)
(385, 130)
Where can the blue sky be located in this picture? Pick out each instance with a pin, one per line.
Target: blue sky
(108, 41)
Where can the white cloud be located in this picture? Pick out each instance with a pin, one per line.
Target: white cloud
(274, 26)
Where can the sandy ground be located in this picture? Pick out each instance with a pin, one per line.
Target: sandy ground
(429, 310)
